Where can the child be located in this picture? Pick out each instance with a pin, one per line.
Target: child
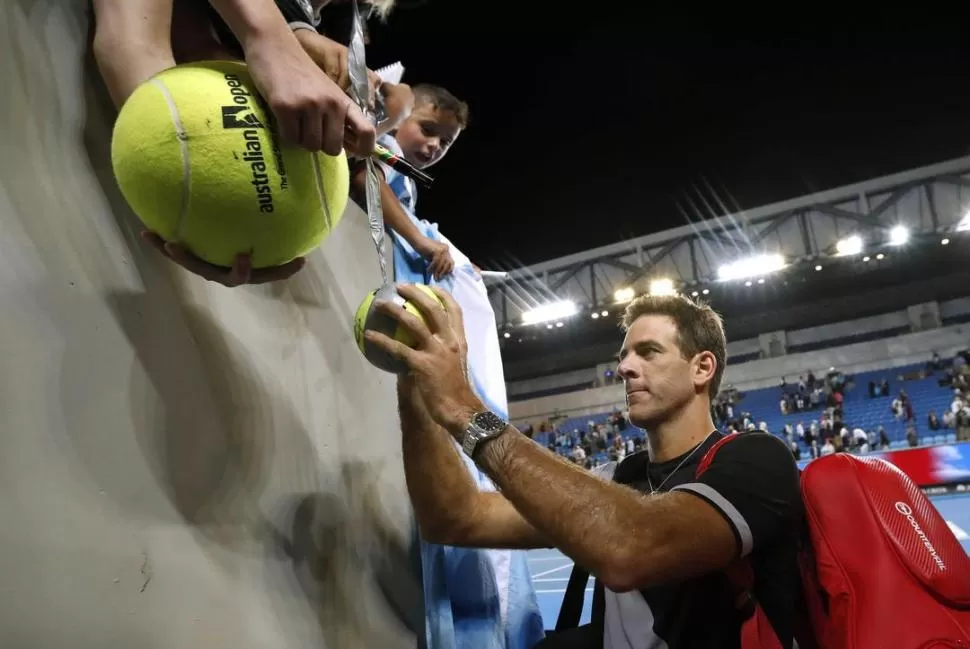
(473, 598)
(423, 139)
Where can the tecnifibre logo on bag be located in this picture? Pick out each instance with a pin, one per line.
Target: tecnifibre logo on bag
(907, 511)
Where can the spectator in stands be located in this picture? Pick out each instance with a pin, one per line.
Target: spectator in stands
(659, 553)
(783, 404)
(811, 439)
(828, 448)
(911, 437)
(957, 404)
(897, 409)
(883, 439)
(961, 382)
(579, 455)
(860, 440)
(949, 419)
(963, 425)
(842, 441)
(838, 398)
(933, 421)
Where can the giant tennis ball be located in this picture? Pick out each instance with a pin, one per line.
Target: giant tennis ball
(197, 155)
(369, 318)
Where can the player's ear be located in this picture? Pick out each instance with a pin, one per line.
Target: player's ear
(705, 366)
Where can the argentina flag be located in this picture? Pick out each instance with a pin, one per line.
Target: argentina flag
(474, 599)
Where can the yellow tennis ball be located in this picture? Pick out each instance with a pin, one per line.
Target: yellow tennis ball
(197, 156)
(368, 318)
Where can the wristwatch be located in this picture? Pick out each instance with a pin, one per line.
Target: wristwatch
(483, 427)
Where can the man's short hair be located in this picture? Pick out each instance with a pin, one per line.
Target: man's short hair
(699, 328)
(442, 100)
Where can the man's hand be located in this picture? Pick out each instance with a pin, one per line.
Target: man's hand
(240, 273)
(311, 109)
(438, 255)
(331, 57)
(438, 360)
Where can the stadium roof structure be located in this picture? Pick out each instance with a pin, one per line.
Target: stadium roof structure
(837, 230)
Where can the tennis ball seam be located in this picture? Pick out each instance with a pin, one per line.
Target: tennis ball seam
(183, 138)
(318, 183)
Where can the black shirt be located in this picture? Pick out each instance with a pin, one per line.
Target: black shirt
(753, 483)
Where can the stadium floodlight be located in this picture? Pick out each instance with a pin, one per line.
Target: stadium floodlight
(552, 311)
(898, 235)
(662, 286)
(755, 266)
(624, 294)
(850, 245)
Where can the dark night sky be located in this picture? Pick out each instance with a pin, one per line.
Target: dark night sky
(595, 125)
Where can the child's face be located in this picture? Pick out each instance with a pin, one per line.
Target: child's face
(427, 134)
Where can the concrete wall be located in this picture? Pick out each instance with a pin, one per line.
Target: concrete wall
(182, 465)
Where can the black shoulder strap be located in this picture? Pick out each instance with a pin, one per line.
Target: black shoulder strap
(573, 600)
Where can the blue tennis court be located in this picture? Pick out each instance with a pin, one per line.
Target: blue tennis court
(550, 568)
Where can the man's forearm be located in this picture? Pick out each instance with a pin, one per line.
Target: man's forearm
(588, 518)
(441, 489)
(132, 43)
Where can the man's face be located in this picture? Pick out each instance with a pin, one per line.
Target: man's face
(427, 134)
(658, 379)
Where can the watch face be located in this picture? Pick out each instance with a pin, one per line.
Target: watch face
(489, 422)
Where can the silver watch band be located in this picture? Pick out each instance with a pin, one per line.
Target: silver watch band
(483, 427)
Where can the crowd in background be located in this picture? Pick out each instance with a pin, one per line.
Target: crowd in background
(616, 438)
(820, 396)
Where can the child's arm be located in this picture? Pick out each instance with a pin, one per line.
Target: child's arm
(438, 254)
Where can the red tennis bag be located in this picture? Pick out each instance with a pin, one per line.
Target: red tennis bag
(881, 568)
